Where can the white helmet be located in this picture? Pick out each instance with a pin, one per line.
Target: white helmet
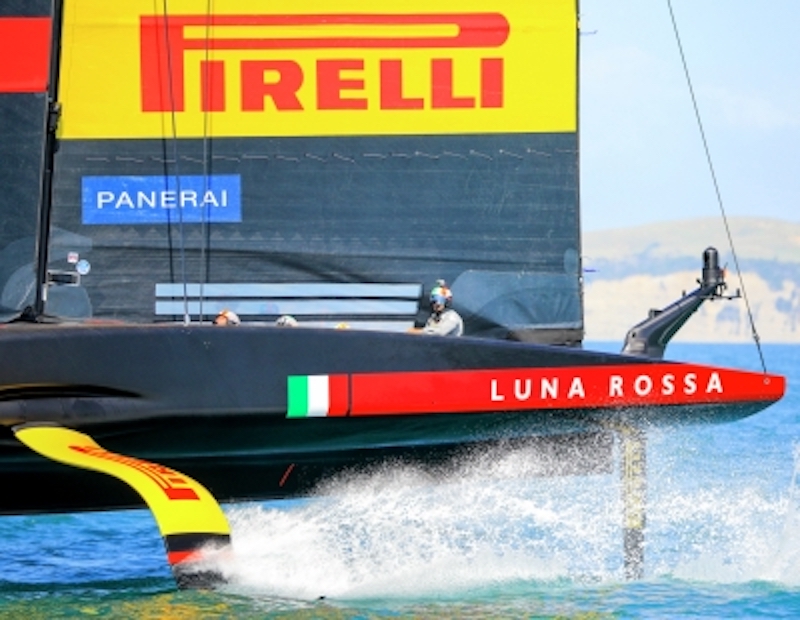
(286, 321)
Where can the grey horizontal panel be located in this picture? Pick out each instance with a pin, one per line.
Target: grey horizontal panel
(290, 290)
(315, 307)
(355, 324)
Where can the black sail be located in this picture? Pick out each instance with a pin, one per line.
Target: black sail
(486, 198)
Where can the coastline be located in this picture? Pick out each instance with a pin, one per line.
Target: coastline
(629, 271)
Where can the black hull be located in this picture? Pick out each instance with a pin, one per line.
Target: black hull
(212, 403)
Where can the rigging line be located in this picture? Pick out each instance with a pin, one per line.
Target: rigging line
(173, 118)
(755, 335)
(204, 223)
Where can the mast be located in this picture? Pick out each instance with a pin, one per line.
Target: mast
(52, 114)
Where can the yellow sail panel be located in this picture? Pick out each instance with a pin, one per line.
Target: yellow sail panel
(325, 68)
(179, 504)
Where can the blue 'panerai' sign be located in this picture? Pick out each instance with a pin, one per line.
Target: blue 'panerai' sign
(161, 199)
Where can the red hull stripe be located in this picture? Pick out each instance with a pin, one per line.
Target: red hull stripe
(24, 54)
(581, 387)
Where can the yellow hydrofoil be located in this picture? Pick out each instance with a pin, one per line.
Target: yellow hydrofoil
(189, 518)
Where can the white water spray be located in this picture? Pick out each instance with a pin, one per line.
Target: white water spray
(398, 533)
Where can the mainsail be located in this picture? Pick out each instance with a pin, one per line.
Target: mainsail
(240, 145)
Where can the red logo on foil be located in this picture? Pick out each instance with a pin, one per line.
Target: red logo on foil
(172, 483)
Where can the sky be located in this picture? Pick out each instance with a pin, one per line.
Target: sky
(642, 155)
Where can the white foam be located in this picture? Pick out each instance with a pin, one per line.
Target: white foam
(398, 533)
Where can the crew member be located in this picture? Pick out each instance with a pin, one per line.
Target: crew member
(443, 321)
(227, 317)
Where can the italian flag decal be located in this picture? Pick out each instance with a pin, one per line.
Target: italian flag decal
(318, 396)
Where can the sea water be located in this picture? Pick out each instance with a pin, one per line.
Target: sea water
(487, 540)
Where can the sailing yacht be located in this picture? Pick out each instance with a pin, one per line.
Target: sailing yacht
(165, 162)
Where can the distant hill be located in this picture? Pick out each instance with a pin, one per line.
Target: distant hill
(630, 270)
